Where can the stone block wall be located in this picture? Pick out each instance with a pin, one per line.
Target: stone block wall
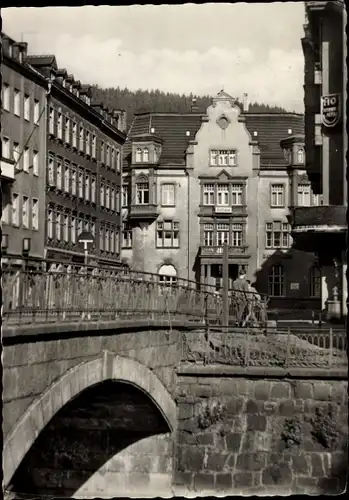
(245, 436)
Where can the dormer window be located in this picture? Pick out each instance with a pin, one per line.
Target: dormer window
(224, 157)
(300, 156)
(139, 155)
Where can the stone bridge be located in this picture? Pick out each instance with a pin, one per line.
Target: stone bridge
(167, 406)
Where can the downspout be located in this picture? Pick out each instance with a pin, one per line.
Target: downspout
(188, 222)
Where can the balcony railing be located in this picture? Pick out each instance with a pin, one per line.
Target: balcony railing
(95, 294)
(207, 251)
(285, 349)
(145, 212)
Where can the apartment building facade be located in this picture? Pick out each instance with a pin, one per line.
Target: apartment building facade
(323, 229)
(213, 178)
(83, 171)
(23, 157)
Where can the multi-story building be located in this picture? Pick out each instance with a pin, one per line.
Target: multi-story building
(23, 156)
(83, 170)
(323, 229)
(196, 181)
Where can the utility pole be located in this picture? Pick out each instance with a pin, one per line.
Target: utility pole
(225, 272)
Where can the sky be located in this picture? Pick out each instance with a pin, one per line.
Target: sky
(242, 48)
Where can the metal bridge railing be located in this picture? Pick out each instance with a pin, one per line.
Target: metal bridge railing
(74, 293)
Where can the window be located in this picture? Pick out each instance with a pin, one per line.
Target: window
(73, 229)
(66, 178)
(138, 155)
(87, 187)
(303, 195)
(93, 190)
(168, 275)
(15, 209)
(58, 227)
(16, 154)
(6, 97)
(26, 160)
(87, 225)
(59, 174)
(107, 240)
(81, 184)
(277, 235)
(223, 157)
(142, 191)
(25, 212)
(112, 240)
(168, 195)
(66, 228)
(107, 197)
(107, 153)
(80, 226)
(223, 194)
(60, 126)
(88, 144)
(5, 216)
(94, 141)
(300, 156)
(102, 151)
(35, 214)
(208, 195)
(117, 160)
(101, 237)
(124, 195)
(276, 281)
(127, 237)
(315, 200)
(208, 235)
(26, 107)
(277, 195)
(36, 111)
(315, 282)
(51, 171)
(66, 130)
(167, 234)
(35, 163)
(81, 139)
(51, 120)
(75, 135)
(73, 181)
(50, 224)
(145, 155)
(222, 235)
(17, 102)
(236, 235)
(93, 228)
(102, 195)
(5, 151)
(112, 202)
(113, 158)
(236, 194)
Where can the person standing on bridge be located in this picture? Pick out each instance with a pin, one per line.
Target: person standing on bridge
(253, 301)
(240, 285)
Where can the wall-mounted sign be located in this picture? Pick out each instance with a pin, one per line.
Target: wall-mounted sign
(294, 286)
(223, 210)
(330, 109)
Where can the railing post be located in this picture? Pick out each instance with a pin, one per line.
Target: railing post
(225, 272)
(247, 349)
(331, 348)
(288, 347)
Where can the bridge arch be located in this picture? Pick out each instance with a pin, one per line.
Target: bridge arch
(108, 366)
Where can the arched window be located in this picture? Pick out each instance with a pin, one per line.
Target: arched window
(167, 275)
(138, 155)
(300, 156)
(145, 155)
(276, 279)
(315, 281)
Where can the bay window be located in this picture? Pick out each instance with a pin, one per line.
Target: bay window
(142, 193)
(208, 235)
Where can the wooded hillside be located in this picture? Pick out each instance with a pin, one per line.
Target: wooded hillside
(140, 101)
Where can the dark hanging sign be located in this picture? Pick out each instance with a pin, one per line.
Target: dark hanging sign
(330, 109)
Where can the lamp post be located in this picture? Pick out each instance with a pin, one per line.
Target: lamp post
(225, 272)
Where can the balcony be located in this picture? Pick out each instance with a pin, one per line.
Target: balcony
(147, 212)
(315, 228)
(222, 211)
(216, 251)
(7, 170)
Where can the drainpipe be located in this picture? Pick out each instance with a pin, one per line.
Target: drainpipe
(188, 222)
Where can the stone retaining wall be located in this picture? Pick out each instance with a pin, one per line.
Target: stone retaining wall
(245, 436)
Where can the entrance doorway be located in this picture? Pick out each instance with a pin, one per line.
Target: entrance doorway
(216, 273)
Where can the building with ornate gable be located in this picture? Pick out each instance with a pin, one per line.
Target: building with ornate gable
(192, 182)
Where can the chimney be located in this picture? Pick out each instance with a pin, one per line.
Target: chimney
(194, 108)
(245, 104)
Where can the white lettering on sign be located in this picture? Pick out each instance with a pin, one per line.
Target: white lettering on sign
(330, 109)
(294, 286)
(223, 210)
